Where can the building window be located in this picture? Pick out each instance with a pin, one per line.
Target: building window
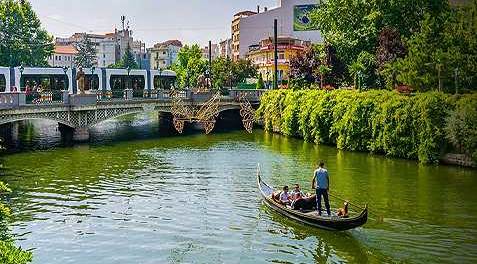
(3, 83)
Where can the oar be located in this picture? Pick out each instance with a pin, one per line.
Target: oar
(350, 203)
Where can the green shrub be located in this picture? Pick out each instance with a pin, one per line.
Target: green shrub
(385, 122)
(10, 254)
(461, 126)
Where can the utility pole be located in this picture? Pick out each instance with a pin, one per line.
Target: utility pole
(210, 65)
(275, 54)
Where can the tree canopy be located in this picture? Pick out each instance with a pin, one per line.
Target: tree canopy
(22, 39)
(126, 61)
(421, 44)
(189, 65)
(86, 56)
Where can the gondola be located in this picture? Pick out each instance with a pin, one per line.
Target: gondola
(311, 217)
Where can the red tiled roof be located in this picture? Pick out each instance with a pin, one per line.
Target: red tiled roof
(62, 49)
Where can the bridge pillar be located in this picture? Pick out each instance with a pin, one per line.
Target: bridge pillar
(78, 134)
(81, 134)
(166, 126)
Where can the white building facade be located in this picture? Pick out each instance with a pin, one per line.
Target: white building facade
(63, 56)
(163, 55)
(106, 54)
(293, 21)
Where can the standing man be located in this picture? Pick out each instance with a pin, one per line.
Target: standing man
(321, 182)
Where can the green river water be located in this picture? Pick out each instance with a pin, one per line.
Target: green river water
(131, 196)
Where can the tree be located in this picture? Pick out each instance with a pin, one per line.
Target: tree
(128, 60)
(243, 69)
(189, 65)
(390, 47)
(461, 126)
(22, 39)
(303, 68)
(260, 83)
(323, 70)
(86, 56)
(360, 22)
(443, 44)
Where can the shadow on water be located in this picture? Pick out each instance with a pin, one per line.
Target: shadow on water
(328, 246)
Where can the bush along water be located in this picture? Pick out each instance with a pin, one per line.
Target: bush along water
(9, 253)
(422, 127)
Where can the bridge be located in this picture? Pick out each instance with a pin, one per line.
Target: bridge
(78, 113)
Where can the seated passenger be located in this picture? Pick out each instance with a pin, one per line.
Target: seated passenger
(285, 197)
(343, 212)
(297, 193)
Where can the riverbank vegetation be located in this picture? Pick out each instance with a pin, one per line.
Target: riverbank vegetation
(423, 126)
(9, 253)
(410, 45)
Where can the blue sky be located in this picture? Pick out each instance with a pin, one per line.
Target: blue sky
(192, 21)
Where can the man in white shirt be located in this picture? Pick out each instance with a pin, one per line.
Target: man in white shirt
(285, 196)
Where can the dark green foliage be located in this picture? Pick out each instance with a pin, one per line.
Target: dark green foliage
(126, 61)
(86, 56)
(226, 73)
(22, 40)
(260, 83)
(461, 126)
(444, 44)
(383, 122)
(189, 66)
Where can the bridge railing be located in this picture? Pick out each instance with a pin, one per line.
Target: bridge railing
(12, 100)
(251, 95)
(47, 97)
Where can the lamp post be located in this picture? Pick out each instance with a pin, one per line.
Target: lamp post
(92, 78)
(268, 79)
(65, 70)
(21, 75)
(160, 78)
(129, 79)
(230, 79)
(207, 74)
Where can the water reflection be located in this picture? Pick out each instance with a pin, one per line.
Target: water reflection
(183, 199)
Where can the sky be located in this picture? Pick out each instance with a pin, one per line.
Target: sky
(152, 21)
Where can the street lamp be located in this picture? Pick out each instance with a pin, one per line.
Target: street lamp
(207, 73)
(92, 79)
(129, 79)
(65, 70)
(160, 78)
(230, 79)
(268, 79)
(21, 75)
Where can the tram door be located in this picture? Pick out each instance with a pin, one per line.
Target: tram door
(119, 83)
(164, 82)
(36, 84)
(3, 83)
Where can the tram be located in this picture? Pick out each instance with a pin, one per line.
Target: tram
(56, 80)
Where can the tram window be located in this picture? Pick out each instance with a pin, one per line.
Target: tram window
(3, 83)
(92, 82)
(121, 82)
(47, 82)
(164, 82)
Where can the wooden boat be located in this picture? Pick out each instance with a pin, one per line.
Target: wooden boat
(333, 223)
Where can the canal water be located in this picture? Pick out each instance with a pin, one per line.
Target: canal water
(132, 196)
